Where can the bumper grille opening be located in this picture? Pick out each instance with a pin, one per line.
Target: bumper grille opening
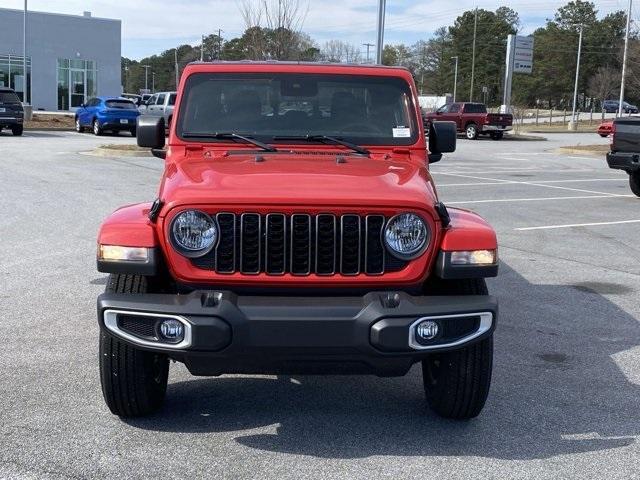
(139, 326)
(300, 244)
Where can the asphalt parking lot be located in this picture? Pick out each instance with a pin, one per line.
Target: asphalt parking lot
(566, 391)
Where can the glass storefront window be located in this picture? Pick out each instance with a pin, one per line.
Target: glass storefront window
(77, 82)
(12, 74)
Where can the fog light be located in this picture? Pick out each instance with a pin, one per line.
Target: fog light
(427, 331)
(171, 330)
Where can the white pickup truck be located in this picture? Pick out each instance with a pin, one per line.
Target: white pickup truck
(160, 105)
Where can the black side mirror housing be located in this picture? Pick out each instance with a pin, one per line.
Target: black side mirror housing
(442, 139)
(150, 132)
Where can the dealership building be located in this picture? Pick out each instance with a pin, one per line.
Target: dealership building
(70, 58)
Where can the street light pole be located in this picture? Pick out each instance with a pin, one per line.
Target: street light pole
(202, 49)
(24, 54)
(153, 82)
(473, 54)
(380, 44)
(368, 45)
(455, 78)
(624, 60)
(573, 125)
(146, 76)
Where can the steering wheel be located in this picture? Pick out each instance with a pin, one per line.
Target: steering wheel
(362, 127)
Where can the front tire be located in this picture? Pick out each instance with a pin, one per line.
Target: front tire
(471, 131)
(134, 382)
(457, 382)
(97, 129)
(634, 183)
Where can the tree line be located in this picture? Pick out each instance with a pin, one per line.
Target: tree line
(274, 32)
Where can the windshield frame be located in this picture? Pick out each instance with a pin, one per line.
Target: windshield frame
(412, 140)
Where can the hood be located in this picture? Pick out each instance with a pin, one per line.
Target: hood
(298, 179)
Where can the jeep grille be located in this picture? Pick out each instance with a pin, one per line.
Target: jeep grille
(300, 244)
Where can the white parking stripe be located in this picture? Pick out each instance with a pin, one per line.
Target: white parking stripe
(549, 227)
(534, 184)
(539, 199)
(506, 182)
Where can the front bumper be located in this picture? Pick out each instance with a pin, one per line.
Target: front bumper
(627, 161)
(227, 333)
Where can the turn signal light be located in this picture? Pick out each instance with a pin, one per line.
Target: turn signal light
(116, 253)
(474, 257)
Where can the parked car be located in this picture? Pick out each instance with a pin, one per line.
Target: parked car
(102, 114)
(134, 97)
(472, 119)
(605, 128)
(611, 106)
(11, 111)
(161, 104)
(624, 153)
(316, 244)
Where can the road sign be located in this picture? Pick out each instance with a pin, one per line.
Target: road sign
(523, 55)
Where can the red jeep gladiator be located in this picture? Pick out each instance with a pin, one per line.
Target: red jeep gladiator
(297, 230)
(472, 119)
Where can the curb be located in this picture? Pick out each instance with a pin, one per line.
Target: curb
(579, 151)
(103, 151)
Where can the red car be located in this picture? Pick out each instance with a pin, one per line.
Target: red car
(472, 119)
(296, 230)
(606, 128)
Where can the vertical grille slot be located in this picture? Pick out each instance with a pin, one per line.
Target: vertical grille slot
(350, 244)
(276, 244)
(250, 241)
(325, 244)
(374, 250)
(300, 244)
(226, 249)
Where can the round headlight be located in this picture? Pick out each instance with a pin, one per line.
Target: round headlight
(406, 236)
(193, 233)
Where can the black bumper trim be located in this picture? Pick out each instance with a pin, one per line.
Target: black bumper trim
(627, 161)
(297, 334)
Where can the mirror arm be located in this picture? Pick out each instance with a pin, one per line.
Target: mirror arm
(159, 153)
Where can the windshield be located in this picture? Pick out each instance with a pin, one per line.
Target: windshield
(361, 109)
(9, 97)
(121, 104)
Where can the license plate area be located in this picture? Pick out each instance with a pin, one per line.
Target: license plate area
(124, 120)
(2, 110)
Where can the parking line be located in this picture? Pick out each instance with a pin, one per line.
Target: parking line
(506, 182)
(538, 199)
(534, 184)
(533, 169)
(549, 227)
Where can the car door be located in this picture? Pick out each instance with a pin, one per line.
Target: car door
(455, 114)
(84, 112)
(158, 109)
(149, 105)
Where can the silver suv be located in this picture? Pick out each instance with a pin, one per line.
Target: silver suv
(160, 105)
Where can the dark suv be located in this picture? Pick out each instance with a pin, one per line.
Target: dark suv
(11, 111)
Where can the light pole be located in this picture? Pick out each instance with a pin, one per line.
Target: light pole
(126, 77)
(455, 78)
(473, 54)
(153, 82)
(146, 76)
(202, 49)
(380, 45)
(573, 125)
(624, 61)
(24, 54)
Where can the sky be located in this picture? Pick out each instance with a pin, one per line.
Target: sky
(151, 26)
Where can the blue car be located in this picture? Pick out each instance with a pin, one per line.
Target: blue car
(107, 113)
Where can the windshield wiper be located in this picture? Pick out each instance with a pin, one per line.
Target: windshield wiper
(235, 136)
(325, 139)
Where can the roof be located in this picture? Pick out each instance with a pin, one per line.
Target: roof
(289, 66)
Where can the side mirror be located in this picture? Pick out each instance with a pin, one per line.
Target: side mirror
(150, 131)
(442, 139)
(438, 112)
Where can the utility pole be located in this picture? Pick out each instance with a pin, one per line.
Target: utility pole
(220, 43)
(473, 53)
(146, 76)
(573, 125)
(380, 44)
(126, 78)
(153, 82)
(455, 78)
(624, 60)
(368, 45)
(24, 54)
(202, 49)
(176, 65)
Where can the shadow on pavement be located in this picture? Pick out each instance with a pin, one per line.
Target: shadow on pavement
(556, 390)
